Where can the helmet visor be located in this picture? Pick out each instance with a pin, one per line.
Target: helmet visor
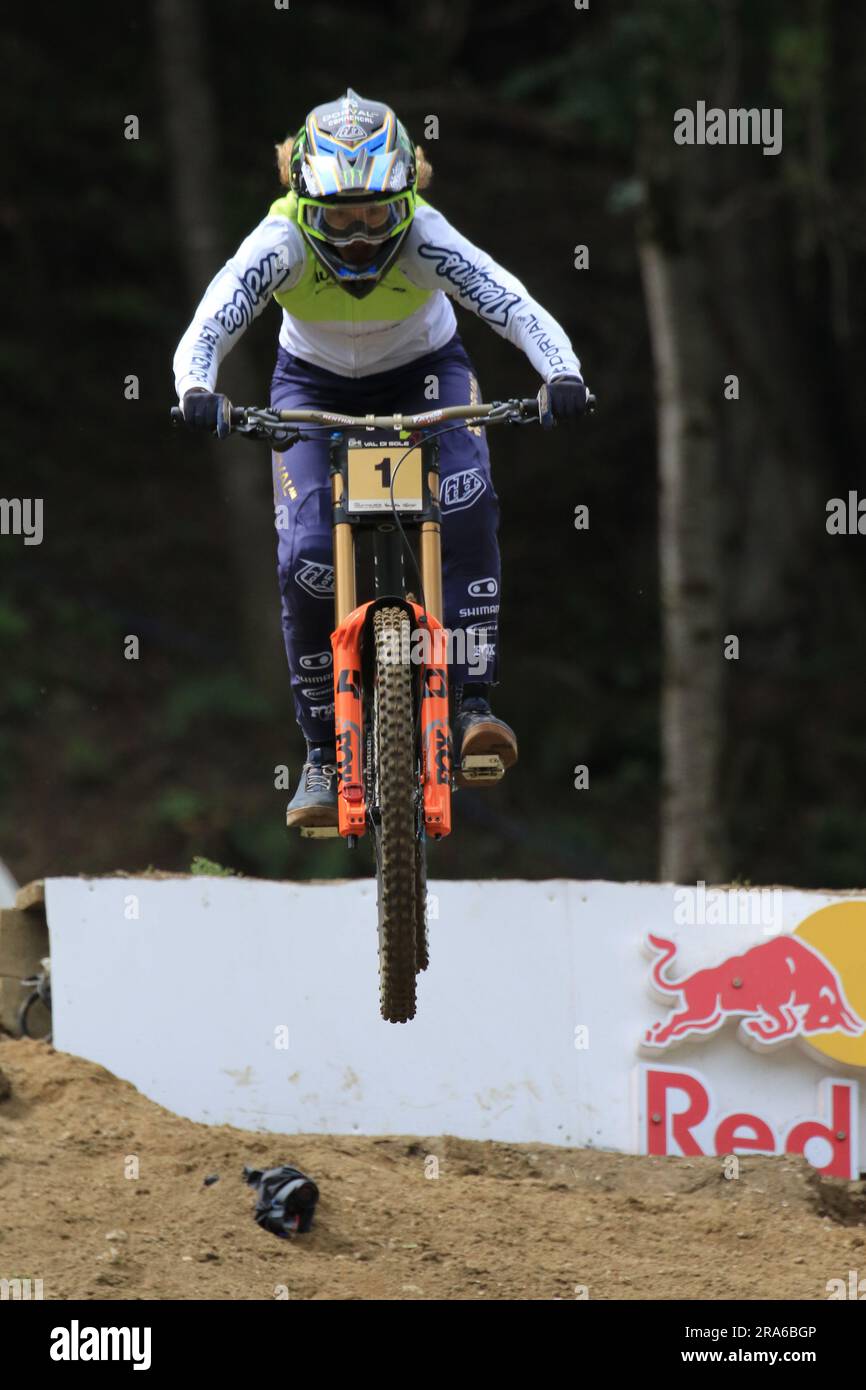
(341, 222)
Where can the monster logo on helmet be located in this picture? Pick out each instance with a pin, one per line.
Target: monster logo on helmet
(353, 172)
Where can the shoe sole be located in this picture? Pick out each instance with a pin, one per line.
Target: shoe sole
(312, 817)
(486, 740)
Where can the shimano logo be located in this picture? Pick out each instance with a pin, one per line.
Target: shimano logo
(315, 578)
(481, 610)
(483, 588)
(493, 301)
(461, 490)
(482, 639)
(317, 661)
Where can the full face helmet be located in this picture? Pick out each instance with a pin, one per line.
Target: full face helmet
(353, 170)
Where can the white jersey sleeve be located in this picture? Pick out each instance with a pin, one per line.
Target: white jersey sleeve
(437, 257)
(271, 258)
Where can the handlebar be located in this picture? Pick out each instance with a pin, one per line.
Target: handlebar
(259, 423)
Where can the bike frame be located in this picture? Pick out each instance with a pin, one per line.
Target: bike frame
(353, 625)
(393, 778)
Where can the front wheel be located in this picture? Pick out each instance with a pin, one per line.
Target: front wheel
(29, 1004)
(422, 942)
(394, 823)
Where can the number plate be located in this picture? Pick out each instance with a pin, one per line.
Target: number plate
(374, 467)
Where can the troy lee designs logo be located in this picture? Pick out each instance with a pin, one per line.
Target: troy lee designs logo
(315, 578)
(460, 490)
(257, 282)
(493, 301)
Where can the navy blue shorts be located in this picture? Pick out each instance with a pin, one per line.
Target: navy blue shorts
(470, 517)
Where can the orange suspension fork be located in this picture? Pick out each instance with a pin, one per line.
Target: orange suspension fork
(348, 721)
(346, 644)
(435, 729)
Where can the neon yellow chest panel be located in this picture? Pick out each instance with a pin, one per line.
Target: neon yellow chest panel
(318, 298)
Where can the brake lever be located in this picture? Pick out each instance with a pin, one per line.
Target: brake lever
(262, 426)
(280, 436)
(280, 440)
(283, 440)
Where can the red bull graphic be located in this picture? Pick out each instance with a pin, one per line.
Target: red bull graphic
(808, 984)
(678, 1116)
(779, 989)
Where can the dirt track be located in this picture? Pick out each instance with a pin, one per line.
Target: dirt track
(502, 1221)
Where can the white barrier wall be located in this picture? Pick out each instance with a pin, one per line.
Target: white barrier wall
(8, 887)
(256, 1004)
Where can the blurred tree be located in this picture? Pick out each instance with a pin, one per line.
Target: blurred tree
(191, 130)
(686, 370)
(540, 109)
(745, 263)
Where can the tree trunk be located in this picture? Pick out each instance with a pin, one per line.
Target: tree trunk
(244, 480)
(693, 656)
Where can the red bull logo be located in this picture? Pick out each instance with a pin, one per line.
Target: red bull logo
(678, 1116)
(779, 989)
(809, 984)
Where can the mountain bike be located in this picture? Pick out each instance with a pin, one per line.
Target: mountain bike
(391, 695)
(40, 993)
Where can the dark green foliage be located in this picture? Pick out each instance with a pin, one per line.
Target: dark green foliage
(105, 761)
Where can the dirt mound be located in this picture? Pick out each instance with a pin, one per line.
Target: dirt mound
(102, 1196)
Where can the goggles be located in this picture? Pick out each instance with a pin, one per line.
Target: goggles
(341, 222)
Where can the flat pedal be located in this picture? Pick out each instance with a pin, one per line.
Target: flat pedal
(482, 767)
(319, 832)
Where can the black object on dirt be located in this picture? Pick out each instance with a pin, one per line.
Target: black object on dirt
(287, 1199)
(210, 1179)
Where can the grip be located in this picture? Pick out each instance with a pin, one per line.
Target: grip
(238, 415)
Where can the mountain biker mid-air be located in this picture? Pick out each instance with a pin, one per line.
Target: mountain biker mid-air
(364, 270)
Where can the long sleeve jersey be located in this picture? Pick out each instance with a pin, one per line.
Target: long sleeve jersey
(408, 314)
